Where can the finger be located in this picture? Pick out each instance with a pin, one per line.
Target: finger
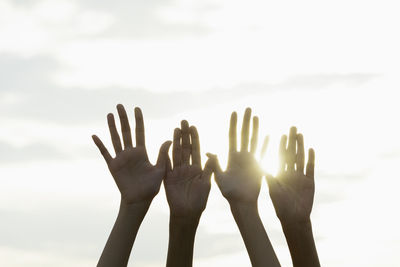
(102, 148)
(125, 128)
(254, 137)
(291, 151)
(208, 170)
(139, 130)
(245, 130)
(194, 135)
(264, 147)
(169, 165)
(300, 153)
(163, 155)
(186, 147)
(232, 133)
(116, 141)
(310, 163)
(214, 164)
(177, 148)
(282, 154)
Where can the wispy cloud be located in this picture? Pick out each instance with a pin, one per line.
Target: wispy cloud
(28, 92)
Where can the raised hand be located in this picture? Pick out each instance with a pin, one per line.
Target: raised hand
(137, 179)
(187, 185)
(240, 184)
(241, 181)
(292, 191)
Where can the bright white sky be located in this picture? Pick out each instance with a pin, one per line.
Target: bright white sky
(329, 67)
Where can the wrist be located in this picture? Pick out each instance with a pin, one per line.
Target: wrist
(136, 208)
(244, 211)
(184, 221)
(296, 225)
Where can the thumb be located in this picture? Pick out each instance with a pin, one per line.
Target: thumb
(214, 163)
(208, 170)
(163, 157)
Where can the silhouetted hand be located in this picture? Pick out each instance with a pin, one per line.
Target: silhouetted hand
(241, 181)
(292, 191)
(137, 179)
(240, 184)
(186, 185)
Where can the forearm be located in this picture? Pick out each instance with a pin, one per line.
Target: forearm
(182, 232)
(119, 244)
(256, 240)
(301, 244)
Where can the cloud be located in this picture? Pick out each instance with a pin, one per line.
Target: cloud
(143, 19)
(28, 92)
(31, 152)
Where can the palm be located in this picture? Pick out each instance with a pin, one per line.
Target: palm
(242, 179)
(292, 191)
(137, 179)
(241, 182)
(293, 196)
(186, 185)
(186, 191)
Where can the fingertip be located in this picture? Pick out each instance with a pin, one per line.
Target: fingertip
(300, 136)
(184, 124)
(177, 131)
(121, 110)
(248, 109)
(167, 144)
(293, 130)
(110, 116)
(210, 155)
(138, 111)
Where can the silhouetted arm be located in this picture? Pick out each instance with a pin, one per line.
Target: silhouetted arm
(119, 244)
(301, 244)
(182, 234)
(187, 187)
(240, 184)
(138, 182)
(292, 193)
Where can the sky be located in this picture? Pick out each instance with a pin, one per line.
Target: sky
(330, 68)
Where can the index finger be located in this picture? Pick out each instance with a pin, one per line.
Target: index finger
(196, 158)
(232, 133)
(139, 131)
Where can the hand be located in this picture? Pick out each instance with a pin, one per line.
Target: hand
(137, 179)
(292, 191)
(186, 185)
(241, 182)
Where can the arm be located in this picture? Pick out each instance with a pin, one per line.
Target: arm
(138, 182)
(240, 184)
(187, 187)
(292, 193)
